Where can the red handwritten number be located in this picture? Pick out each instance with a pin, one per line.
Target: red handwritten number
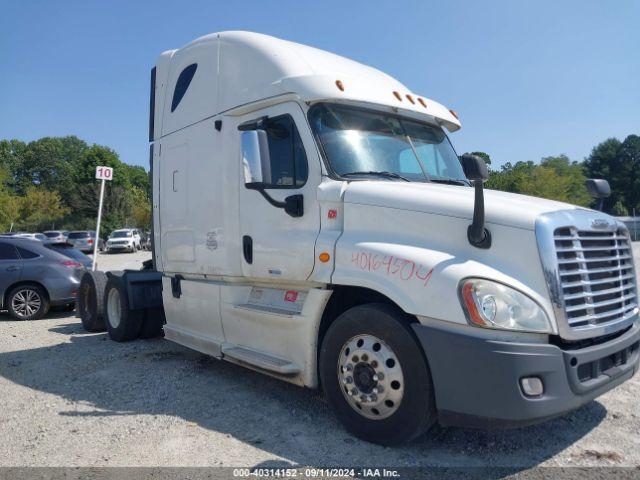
(426, 277)
(405, 270)
(392, 266)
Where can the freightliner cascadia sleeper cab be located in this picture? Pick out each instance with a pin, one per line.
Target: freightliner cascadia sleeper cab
(311, 220)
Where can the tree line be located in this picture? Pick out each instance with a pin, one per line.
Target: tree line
(50, 183)
(559, 178)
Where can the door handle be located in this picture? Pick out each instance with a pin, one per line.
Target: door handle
(174, 181)
(247, 249)
(12, 268)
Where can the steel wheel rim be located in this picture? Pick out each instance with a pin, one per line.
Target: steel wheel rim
(113, 308)
(26, 302)
(370, 377)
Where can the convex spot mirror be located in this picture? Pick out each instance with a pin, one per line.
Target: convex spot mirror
(598, 188)
(474, 167)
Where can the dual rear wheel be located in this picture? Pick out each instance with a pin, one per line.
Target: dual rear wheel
(103, 305)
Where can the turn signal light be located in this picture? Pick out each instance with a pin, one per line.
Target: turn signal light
(474, 314)
(324, 257)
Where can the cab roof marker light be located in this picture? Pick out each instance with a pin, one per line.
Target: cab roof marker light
(454, 113)
(422, 102)
(410, 98)
(340, 85)
(397, 95)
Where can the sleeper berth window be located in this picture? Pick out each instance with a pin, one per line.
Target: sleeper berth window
(182, 84)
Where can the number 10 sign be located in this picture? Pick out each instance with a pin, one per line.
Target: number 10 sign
(104, 173)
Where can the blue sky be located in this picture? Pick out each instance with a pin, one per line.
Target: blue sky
(528, 78)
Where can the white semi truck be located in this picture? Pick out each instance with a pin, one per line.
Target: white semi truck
(312, 221)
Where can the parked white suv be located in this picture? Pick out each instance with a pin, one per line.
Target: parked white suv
(124, 239)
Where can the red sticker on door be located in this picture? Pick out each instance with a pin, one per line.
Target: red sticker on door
(290, 296)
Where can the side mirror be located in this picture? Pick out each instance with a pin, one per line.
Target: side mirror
(476, 170)
(256, 165)
(474, 167)
(255, 158)
(599, 189)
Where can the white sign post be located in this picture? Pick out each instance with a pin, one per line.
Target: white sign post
(103, 174)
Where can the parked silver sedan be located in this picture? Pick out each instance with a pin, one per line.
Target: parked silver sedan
(84, 240)
(34, 277)
(56, 235)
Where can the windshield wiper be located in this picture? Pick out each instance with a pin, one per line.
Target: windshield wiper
(380, 174)
(449, 181)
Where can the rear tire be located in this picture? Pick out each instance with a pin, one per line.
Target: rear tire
(28, 302)
(91, 301)
(122, 323)
(375, 377)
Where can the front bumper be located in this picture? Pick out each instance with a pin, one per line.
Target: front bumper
(121, 247)
(477, 380)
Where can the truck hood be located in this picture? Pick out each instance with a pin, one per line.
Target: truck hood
(501, 208)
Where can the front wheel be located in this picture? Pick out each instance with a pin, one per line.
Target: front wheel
(375, 376)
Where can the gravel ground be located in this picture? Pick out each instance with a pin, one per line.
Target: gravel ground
(70, 398)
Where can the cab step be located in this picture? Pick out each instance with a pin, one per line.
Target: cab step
(260, 360)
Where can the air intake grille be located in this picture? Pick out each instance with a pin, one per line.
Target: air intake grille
(596, 276)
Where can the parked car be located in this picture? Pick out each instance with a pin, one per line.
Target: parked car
(124, 239)
(68, 250)
(83, 240)
(146, 241)
(56, 235)
(33, 236)
(35, 278)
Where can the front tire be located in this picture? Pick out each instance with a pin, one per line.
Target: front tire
(28, 302)
(122, 323)
(375, 377)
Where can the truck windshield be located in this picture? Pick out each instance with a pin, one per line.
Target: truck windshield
(361, 142)
(121, 234)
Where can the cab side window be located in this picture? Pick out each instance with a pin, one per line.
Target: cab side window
(286, 152)
(8, 252)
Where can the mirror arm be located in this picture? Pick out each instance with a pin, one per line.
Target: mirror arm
(477, 234)
(270, 199)
(293, 204)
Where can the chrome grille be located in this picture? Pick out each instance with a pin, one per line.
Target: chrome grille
(597, 284)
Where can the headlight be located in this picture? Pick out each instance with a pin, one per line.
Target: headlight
(494, 305)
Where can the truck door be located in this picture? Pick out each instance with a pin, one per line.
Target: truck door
(275, 245)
